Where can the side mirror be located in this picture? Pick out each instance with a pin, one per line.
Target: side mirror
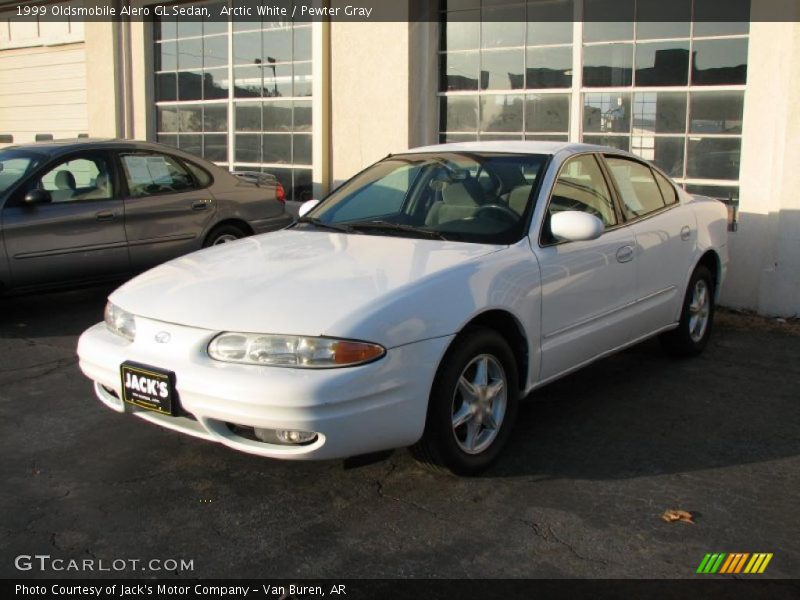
(576, 226)
(306, 207)
(37, 196)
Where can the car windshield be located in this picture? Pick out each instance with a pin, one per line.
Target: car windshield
(15, 164)
(462, 196)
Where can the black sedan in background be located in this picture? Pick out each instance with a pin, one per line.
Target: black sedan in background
(84, 210)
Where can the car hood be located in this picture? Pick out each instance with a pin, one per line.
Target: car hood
(292, 281)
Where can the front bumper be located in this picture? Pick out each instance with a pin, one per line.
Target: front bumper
(354, 410)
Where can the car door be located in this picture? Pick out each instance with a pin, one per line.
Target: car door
(166, 210)
(78, 234)
(587, 286)
(665, 234)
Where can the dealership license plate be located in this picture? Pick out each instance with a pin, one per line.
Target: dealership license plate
(149, 388)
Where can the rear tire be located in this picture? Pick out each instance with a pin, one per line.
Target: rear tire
(222, 234)
(697, 317)
(472, 406)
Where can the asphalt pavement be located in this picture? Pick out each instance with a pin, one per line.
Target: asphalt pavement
(594, 462)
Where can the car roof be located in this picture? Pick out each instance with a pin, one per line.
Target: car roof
(520, 147)
(57, 147)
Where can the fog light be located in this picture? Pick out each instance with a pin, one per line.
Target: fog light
(288, 436)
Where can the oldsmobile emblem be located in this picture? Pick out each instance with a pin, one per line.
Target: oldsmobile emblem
(162, 337)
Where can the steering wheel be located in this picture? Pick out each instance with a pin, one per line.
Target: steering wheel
(506, 213)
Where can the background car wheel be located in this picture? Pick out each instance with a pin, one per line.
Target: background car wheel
(223, 234)
(473, 405)
(697, 317)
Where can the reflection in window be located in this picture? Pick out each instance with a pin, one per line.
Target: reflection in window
(549, 22)
(608, 65)
(665, 152)
(720, 62)
(502, 70)
(659, 112)
(608, 20)
(460, 71)
(662, 63)
(548, 68)
(607, 112)
(716, 112)
(713, 158)
(547, 112)
(501, 113)
(615, 141)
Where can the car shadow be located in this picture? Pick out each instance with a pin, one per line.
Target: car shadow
(642, 413)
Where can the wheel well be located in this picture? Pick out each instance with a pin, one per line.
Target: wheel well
(509, 327)
(243, 225)
(710, 261)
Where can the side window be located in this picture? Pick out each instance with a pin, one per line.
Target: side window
(79, 178)
(639, 191)
(154, 174)
(581, 186)
(667, 189)
(203, 178)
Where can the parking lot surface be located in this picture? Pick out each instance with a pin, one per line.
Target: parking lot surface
(594, 461)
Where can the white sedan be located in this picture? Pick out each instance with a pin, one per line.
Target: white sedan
(415, 305)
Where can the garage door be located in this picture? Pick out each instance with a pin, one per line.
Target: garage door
(43, 92)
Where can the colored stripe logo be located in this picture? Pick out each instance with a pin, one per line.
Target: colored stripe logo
(733, 563)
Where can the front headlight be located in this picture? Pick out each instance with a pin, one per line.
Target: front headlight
(291, 350)
(120, 322)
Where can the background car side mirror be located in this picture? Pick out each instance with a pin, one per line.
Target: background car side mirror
(37, 196)
(306, 207)
(575, 226)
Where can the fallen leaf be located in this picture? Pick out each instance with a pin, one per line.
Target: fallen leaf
(671, 515)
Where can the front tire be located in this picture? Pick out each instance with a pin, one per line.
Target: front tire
(473, 405)
(697, 317)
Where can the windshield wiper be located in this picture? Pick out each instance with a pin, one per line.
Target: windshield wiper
(316, 222)
(387, 226)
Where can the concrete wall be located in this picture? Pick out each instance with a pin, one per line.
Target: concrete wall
(765, 251)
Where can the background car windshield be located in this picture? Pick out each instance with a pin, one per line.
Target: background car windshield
(14, 165)
(473, 197)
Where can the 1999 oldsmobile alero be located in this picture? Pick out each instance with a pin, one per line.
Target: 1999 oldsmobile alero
(415, 305)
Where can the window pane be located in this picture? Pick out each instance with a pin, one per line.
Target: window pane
(659, 112)
(608, 65)
(550, 22)
(278, 116)
(547, 137)
(459, 113)
(662, 63)
(189, 27)
(248, 148)
(501, 137)
(215, 51)
(501, 113)
(608, 20)
(166, 56)
(607, 112)
(547, 112)
(277, 148)
(709, 14)
(166, 87)
(502, 70)
(636, 185)
(713, 158)
(277, 45)
(192, 143)
(303, 189)
(167, 118)
(190, 118)
(581, 186)
(247, 48)
(665, 152)
(614, 141)
(248, 82)
(149, 174)
(716, 112)
(720, 62)
(461, 32)
(215, 147)
(190, 85)
(190, 53)
(503, 26)
(79, 179)
(302, 116)
(277, 80)
(215, 117)
(457, 137)
(302, 79)
(549, 68)
(657, 19)
(460, 71)
(301, 150)
(215, 84)
(302, 43)
(215, 25)
(166, 28)
(248, 117)
(169, 140)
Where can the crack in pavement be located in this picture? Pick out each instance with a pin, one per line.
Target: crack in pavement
(550, 537)
(57, 366)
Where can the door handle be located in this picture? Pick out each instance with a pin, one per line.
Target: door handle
(625, 254)
(686, 233)
(200, 204)
(105, 215)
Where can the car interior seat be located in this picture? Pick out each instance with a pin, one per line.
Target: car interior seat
(460, 200)
(65, 187)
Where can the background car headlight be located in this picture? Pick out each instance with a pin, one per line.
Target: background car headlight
(291, 350)
(120, 322)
